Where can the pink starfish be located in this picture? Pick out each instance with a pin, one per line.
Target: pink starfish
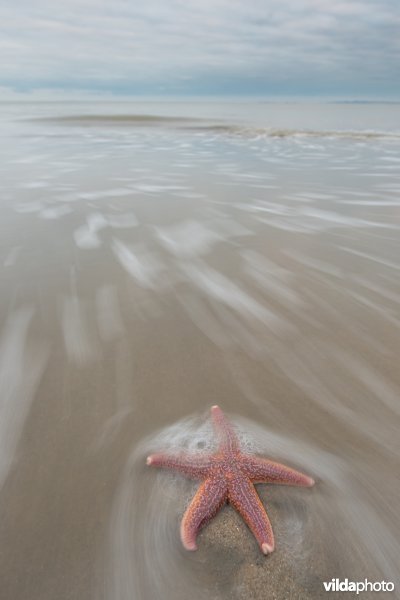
(228, 476)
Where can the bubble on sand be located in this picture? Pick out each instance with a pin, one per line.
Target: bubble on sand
(86, 236)
(79, 342)
(122, 221)
(22, 363)
(55, 212)
(187, 239)
(139, 263)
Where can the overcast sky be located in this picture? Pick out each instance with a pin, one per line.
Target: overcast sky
(333, 48)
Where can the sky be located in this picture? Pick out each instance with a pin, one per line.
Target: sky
(347, 49)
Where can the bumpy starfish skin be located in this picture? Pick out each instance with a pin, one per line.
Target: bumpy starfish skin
(228, 476)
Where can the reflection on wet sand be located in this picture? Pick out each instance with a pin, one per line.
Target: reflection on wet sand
(147, 274)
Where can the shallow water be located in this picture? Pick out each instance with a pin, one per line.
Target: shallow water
(148, 272)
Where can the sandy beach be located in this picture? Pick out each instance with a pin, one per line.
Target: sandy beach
(149, 272)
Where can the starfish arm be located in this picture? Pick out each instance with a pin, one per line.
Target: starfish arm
(261, 470)
(210, 496)
(194, 466)
(243, 496)
(224, 430)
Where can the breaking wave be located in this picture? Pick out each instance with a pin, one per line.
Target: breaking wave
(204, 125)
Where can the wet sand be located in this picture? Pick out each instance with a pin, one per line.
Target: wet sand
(145, 277)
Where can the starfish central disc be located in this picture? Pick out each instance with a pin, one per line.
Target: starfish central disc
(228, 475)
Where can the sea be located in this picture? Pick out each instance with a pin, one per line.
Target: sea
(160, 257)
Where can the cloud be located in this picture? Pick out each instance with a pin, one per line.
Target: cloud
(213, 46)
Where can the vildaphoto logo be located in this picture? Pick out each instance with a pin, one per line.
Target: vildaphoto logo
(337, 585)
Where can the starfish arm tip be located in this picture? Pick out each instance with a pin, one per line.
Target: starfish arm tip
(191, 546)
(188, 542)
(267, 548)
(149, 460)
(215, 407)
(311, 482)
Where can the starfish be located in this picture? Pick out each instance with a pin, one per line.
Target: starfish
(228, 476)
